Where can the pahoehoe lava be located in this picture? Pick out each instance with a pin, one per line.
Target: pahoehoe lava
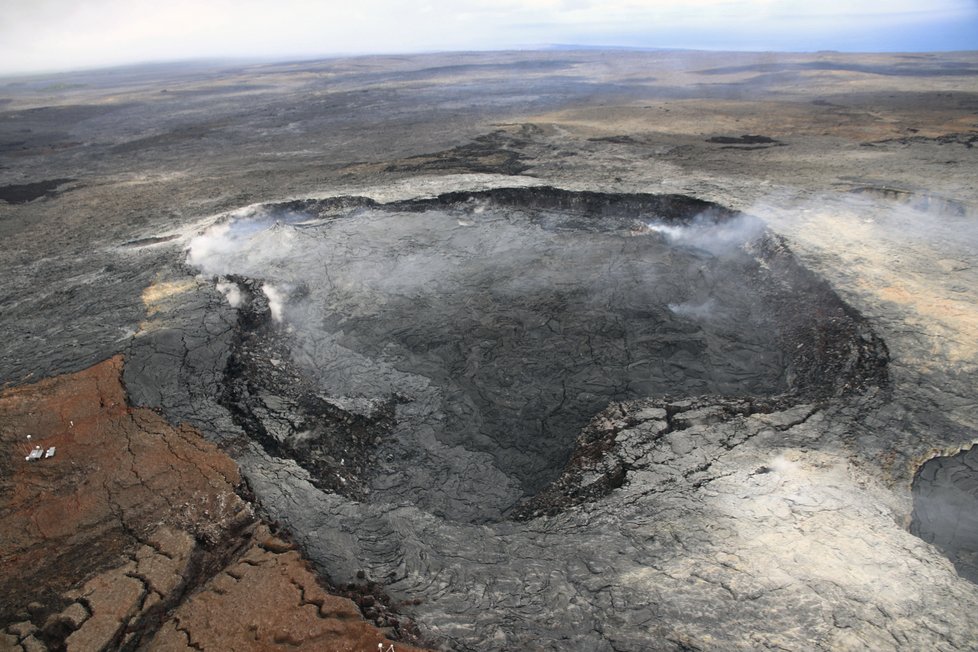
(522, 418)
(447, 352)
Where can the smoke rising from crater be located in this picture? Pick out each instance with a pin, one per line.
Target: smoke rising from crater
(717, 237)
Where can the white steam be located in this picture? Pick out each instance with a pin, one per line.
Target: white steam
(231, 292)
(250, 243)
(254, 244)
(670, 232)
(702, 310)
(212, 244)
(783, 465)
(718, 238)
(276, 301)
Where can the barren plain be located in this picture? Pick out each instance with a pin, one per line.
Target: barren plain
(568, 350)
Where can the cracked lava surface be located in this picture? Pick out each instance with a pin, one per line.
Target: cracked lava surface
(495, 351)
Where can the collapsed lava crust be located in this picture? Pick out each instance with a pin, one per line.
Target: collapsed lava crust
(501, 322)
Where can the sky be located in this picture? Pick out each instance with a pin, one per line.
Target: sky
(59, 35)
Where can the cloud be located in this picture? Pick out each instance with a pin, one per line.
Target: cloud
(59, 34)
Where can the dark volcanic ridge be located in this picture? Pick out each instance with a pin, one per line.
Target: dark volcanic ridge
(448, 351)
(27, 192)
(746, 142)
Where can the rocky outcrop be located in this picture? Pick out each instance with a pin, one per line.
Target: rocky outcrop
(269, 598)
(131, 525)
(270, 399)
(609, 447)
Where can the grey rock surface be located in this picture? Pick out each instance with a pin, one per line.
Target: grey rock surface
(687, 500)
(758, 495)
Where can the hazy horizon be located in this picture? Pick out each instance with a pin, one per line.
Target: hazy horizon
(49, 36)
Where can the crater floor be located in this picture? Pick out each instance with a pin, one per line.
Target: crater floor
(490, 328)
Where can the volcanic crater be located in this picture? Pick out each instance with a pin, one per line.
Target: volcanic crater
(507, 378)
(447, 352)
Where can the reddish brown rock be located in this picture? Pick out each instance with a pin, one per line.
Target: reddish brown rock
(133, 534)
(118, 474)
(114, 597)
(269, 600)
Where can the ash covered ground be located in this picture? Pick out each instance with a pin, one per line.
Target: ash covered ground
(557, 351)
